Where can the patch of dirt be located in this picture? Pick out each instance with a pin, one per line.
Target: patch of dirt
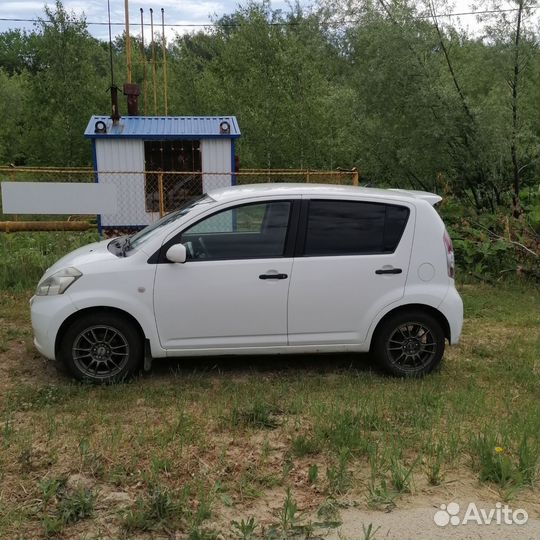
(413, 517)
(22, 364)
(417, 523)
(79, 481)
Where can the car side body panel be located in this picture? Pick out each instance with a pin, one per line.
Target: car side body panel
(132, 294)
(334, 308)
(351, 285)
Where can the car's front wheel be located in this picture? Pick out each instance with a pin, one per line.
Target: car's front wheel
(101, 347)
(409, 344)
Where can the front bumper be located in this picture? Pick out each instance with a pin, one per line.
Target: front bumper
(48, 313)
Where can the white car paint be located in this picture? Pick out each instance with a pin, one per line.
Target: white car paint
(318, 282)
(222, 307)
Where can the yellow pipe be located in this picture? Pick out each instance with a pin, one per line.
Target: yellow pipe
(153, 60)
(161, 196)
(128, 41)
(252, 172)
(47, 170)
(164, 48)
(143, 55)
(20, 226)
(355, 177)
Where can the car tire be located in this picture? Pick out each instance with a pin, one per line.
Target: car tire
(102, 347)
(409, 344)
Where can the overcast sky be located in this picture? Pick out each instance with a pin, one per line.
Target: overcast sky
(176, 12)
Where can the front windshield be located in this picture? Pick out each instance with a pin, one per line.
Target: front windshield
(148, 232)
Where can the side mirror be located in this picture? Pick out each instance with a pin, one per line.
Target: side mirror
(177, 253)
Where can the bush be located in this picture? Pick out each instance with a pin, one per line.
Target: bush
(491, 246)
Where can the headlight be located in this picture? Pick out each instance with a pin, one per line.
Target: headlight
(58, 282)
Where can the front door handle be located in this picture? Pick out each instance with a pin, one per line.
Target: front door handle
(273, 276)
(388, 271)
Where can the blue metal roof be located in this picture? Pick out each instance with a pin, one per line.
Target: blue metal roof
(163, 127)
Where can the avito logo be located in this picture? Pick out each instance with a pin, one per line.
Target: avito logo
(449, 514)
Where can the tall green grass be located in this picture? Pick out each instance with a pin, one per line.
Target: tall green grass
(24, 256)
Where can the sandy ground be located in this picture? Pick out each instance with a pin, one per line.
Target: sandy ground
(417, 523)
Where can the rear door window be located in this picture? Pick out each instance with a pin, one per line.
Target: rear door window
(353, 228)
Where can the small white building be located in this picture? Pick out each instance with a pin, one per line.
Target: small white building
(156, 162)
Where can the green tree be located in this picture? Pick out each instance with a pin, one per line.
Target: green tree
(70, 84)
(14, 95)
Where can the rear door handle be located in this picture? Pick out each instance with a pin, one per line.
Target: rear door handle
(273, 276)
(388, 271)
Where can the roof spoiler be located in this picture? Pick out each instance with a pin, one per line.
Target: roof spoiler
(431, 198)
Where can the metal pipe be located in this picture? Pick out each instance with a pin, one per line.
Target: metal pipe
(128, 41)
(115, 113)
(355, 176)
(110, 44)
(161, 195)
(153, 60)
(164, 48)
(22, 226)
(143, 54)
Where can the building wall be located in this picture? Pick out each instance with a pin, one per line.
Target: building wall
(216, 158)
(118, 157)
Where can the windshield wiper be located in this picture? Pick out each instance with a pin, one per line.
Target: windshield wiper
(126, 246)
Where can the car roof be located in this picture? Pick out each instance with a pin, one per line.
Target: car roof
(318, 190)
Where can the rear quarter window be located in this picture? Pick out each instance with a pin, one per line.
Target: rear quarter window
(353, 228)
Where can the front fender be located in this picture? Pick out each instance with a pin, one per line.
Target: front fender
(141, 309)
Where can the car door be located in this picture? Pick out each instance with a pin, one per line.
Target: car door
(352, 262)
(232, 290)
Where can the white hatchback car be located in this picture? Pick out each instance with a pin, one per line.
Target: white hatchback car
(259, 269)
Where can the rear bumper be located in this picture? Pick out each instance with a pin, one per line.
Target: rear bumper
(452, 308)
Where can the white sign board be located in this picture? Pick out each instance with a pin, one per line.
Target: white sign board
(58, 198)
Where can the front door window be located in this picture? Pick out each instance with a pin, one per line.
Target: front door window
(251, 231)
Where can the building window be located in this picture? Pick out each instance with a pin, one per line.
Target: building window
(178, 163)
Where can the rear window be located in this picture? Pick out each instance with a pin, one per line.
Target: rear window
(353, 228)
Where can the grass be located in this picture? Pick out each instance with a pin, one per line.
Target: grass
(288, 514)
(25, 256)
(304, 446)
(338, 475)
(245, 529)
(369, 531)
(257, 415)
(380, 496)
(207, 446)
(76, 506)
(61, 507)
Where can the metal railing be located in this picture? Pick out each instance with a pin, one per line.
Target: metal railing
(144, 196)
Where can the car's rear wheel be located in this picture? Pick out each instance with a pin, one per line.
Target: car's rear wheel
(409, 344)
(102, 347)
